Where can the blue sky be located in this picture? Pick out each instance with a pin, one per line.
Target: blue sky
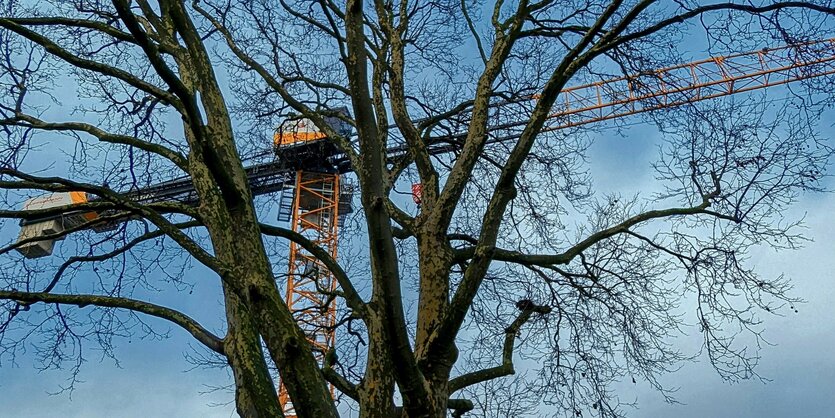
(154, 378)
(800, 366)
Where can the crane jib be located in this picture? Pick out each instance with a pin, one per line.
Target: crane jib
(299, 145)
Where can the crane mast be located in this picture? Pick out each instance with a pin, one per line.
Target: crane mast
(311, 167)
(315, 212)
(310, 285)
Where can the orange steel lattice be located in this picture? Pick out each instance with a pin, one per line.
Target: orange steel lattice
(310, 285)
(691, 82)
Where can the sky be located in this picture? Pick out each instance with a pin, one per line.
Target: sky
(800, 366)
(153, 378)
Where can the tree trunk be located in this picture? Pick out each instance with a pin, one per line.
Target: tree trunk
(435, 262)
(376, 391)
(435, 257)
(227, 210)
(241, 248)
(255, 395)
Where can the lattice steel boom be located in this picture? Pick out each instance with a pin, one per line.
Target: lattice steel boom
(692, 82)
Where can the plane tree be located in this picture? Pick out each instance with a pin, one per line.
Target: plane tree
(511, 256)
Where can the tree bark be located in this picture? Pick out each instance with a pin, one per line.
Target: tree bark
(376, 391)
(255, 395)
(435, 261)
(227, 209)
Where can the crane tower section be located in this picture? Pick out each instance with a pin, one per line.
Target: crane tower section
(310, 285)
(314, 212)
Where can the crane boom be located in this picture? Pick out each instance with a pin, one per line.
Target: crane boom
(594, 102)
(692, 82)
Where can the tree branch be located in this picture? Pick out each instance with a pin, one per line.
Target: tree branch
(51, 47)
(57, 184)
(352, 297)
(30, 121)
(545, 260)
(187, 323)
(715, 7)
(98, 26)
(108, 255)
(527, 309)
(337, 380)
(317, 119)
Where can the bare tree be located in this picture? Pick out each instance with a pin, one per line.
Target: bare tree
(454, 95)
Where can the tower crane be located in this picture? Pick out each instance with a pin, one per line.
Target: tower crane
(308, 168)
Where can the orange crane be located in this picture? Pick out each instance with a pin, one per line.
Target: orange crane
(317, 200)
(314, 211)
(693, 82)
(311, 167)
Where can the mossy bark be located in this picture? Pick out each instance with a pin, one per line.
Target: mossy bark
(254, 307)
